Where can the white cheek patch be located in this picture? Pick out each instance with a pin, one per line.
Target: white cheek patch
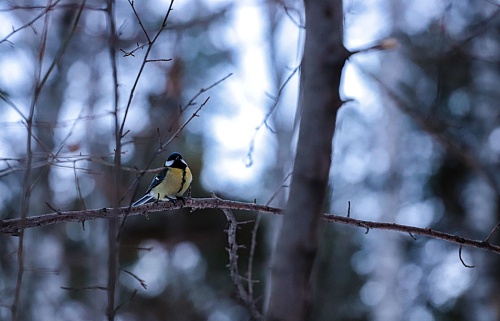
(184, 162)
(169, 163)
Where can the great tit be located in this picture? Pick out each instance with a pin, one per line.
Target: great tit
(171, 183)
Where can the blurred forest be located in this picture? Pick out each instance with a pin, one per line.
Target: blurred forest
(417, 143)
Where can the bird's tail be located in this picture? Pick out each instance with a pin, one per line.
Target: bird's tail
(142, 200)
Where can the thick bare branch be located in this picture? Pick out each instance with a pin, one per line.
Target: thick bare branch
(13, 226)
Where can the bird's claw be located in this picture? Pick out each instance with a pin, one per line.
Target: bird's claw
(178, 200)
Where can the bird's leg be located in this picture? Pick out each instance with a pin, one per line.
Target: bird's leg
(178, 199)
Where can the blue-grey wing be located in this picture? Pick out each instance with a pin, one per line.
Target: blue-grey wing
(157, 180)
(143, 200)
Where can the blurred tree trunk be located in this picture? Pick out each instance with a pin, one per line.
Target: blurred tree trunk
(324, 58)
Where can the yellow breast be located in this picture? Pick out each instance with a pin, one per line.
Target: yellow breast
(175, 184)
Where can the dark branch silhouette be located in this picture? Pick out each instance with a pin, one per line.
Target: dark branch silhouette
(13, 226)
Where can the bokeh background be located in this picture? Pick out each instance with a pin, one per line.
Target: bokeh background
(417, 143)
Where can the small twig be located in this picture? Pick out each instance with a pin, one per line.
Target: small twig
(174, 135)
(253, 242)
(268, 114)
(299, 24)
(62, 49)
(52, 207)
(57, 161)
(253, 246)
(13, 7)
(202, 90)
(159, 60)
(78, 189)
(94, 287)
(384, 44)
(47, 9)
(462, 260)
(131, 53)
(279, 189)
(132, 296)
(141, 281)
(493, 232)
(9, 102)
(192, 101)
(139, 20)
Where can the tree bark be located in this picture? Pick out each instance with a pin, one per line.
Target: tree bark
(290, 294)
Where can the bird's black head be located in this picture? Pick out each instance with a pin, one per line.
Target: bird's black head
(174, 156)
(175, 160)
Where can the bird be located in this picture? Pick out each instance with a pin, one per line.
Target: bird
(169, 184)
